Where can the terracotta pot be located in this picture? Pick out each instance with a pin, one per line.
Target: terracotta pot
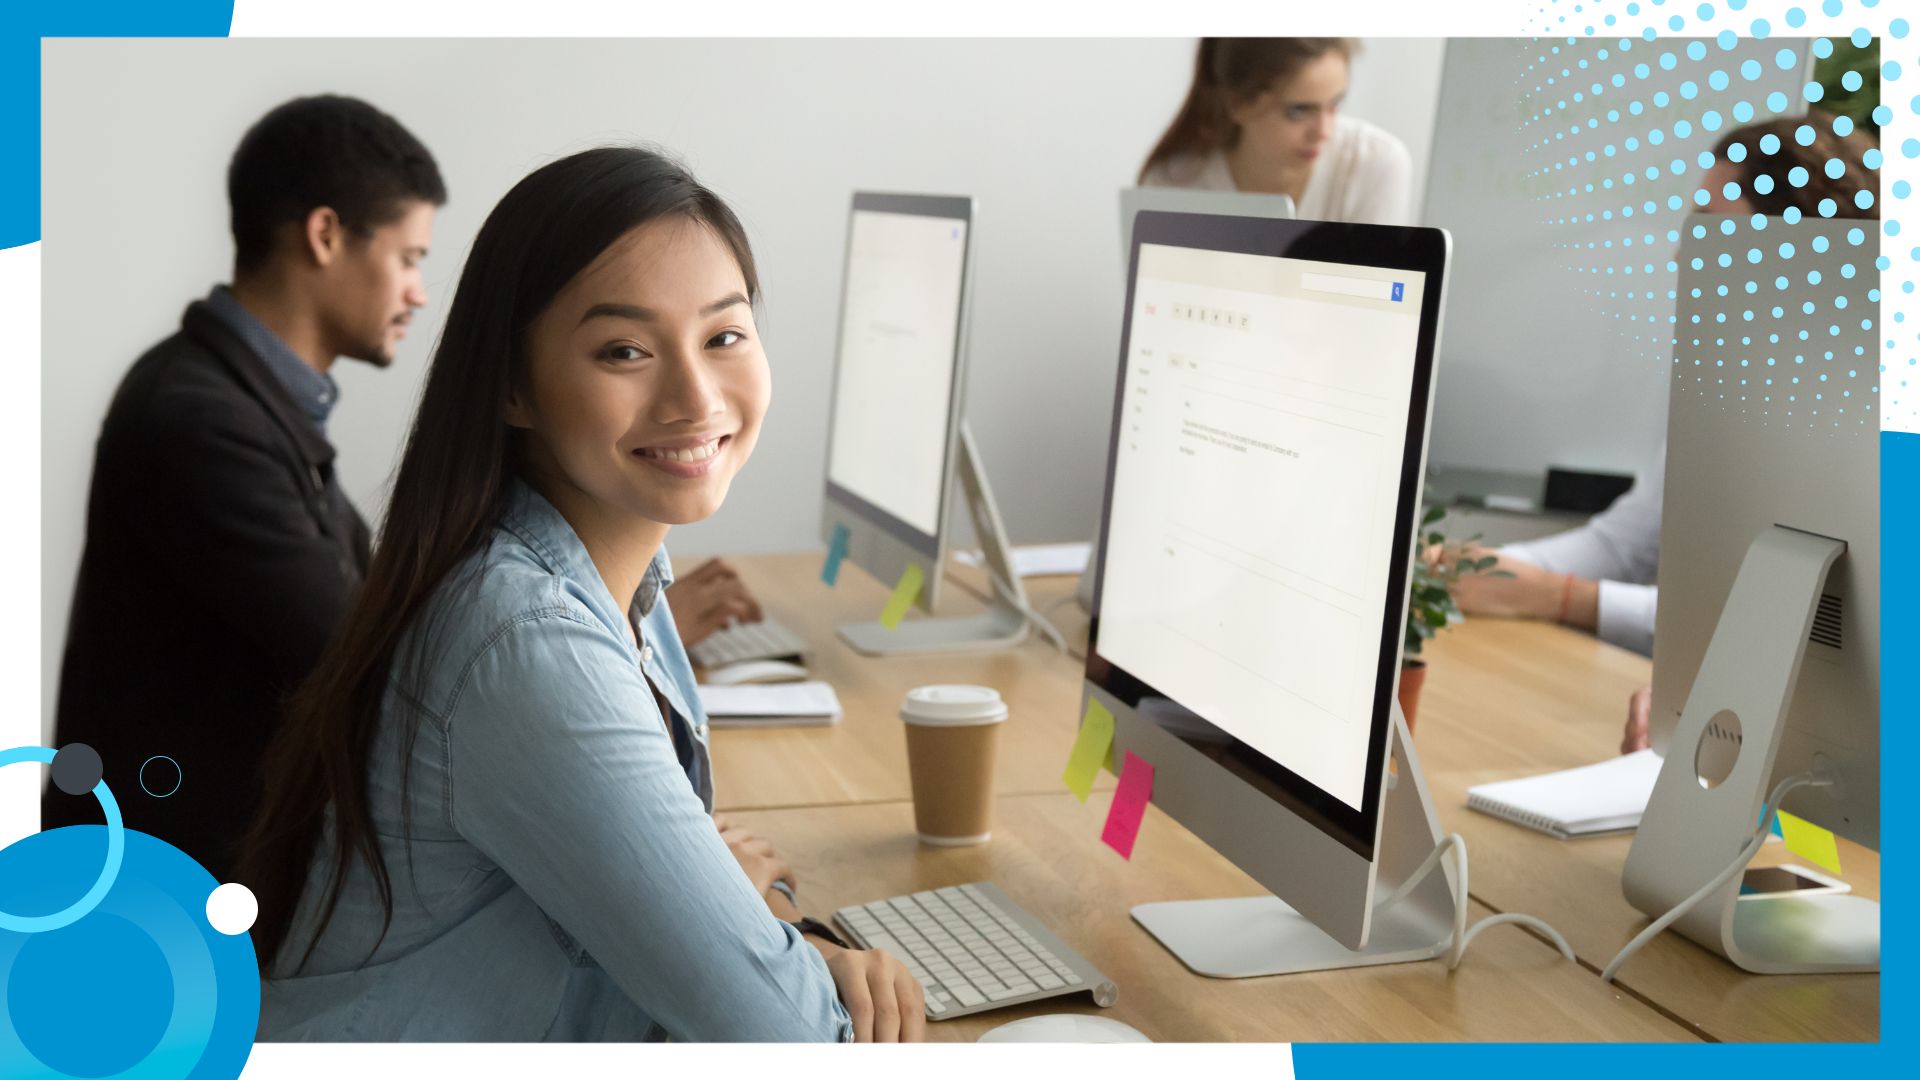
(1413, 675)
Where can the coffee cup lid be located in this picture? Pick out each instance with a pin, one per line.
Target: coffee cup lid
(953, 705)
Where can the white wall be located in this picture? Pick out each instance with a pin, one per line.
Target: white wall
(138, 133)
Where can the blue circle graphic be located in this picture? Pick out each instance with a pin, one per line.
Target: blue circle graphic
(142, 988)
(57, 977)
(179, 776)
(110, 868)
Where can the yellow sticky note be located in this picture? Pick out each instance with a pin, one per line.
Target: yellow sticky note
(1810, 842)
(1089, 749)
(904, 594)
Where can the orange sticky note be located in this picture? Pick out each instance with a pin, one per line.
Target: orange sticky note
(1089, 749)
(1129, 804)
(1810, 842)
(904, 594)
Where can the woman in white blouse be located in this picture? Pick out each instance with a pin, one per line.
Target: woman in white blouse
(1263, 115)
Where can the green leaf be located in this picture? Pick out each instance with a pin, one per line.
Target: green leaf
(1433, 514)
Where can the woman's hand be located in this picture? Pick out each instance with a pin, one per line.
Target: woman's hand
(886, 1002)
(763, 865)
(707, 599)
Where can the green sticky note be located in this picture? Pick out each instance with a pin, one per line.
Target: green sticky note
(904, 594)
(1089, 749)
(1810, 842)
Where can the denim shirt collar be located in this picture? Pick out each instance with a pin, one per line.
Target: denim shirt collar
(540, 524)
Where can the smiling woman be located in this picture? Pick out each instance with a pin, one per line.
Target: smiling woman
(501, 764)
(644, 413)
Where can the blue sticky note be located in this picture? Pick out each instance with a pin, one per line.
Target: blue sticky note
(836, 551)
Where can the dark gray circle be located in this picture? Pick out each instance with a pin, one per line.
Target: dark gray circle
(76, 768)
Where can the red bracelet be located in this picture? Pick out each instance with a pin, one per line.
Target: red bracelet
(1566, 599)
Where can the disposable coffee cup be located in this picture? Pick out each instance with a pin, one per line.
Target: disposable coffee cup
(953, 733)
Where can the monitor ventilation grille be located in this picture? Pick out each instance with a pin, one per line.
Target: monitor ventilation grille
(1826, 622)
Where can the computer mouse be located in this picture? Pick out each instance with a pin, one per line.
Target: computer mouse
(756, 671)
(1064, 1028)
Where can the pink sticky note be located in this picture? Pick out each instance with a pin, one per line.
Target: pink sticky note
(1129, 804)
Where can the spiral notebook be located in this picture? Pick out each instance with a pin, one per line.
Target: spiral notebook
(1592, 799)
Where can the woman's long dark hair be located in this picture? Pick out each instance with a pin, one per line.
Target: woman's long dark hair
(447, 496)
(1228, 72)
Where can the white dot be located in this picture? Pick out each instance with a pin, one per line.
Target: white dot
(231, 909)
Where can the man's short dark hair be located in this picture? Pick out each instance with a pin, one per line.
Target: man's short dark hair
(331, 151)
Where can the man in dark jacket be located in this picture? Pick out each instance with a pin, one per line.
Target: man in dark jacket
(221, 550)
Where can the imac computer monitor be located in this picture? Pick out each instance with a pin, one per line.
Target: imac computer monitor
(1244, 204)
(895, 437)
(1262, 495)
(1766, 661)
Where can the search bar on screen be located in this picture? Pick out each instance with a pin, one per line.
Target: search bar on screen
(1341, 285)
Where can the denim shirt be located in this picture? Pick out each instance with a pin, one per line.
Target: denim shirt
(560, 876)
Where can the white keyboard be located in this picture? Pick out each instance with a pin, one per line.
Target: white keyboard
(973, 949)
(763, 640)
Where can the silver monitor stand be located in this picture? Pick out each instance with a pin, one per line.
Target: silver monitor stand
(1004, 623)
(1707, 801)
(1263, 935)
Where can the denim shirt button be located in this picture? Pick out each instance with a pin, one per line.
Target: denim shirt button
(646, 654)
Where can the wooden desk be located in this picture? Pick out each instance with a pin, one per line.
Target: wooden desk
(1046, 853)
(1503, 699)
(864, 757)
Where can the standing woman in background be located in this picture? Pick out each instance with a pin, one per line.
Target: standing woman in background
(1262, 115)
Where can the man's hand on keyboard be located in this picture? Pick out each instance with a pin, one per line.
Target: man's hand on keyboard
(885, 1001)
(707, 599)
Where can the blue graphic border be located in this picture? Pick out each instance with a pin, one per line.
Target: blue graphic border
(23, 25)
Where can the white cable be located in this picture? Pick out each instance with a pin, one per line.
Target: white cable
(1719, 880)
(1034, 618)
(1462, 935)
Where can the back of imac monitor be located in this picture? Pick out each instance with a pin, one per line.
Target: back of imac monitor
(1774, 419)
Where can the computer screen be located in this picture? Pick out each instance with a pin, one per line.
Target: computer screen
(899, 334)
(1260, 463)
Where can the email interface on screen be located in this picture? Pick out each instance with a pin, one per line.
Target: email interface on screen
(898, 330)
(1262, 432)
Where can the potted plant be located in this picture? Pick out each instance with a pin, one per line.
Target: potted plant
(1437, 564)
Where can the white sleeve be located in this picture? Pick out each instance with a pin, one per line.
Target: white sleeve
(1626, 615)
(1380, 190)
(1621, 543)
